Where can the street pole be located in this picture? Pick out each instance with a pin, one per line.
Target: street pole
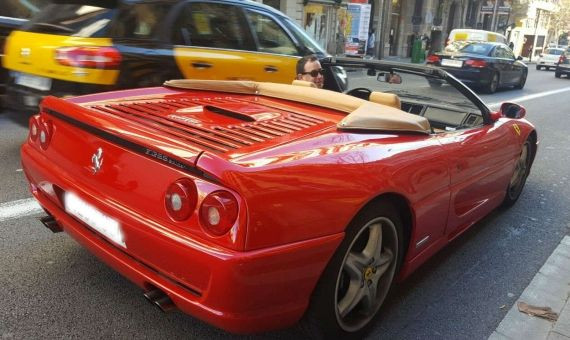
(494, 19)
(382, 28)
(535, 34)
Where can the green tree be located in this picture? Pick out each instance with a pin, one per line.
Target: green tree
(560, 21)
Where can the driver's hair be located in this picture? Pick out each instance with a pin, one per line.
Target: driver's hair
(303, 61)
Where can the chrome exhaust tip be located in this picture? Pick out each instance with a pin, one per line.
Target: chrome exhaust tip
(159, 299)
(50, 223)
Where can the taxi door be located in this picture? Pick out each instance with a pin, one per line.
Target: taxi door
(214, 41)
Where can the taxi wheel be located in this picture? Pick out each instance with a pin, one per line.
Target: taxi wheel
(518, 179)
(359, 276)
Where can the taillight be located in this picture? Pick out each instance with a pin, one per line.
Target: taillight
(218, 212)
(45, 133)
(476, 63)
(180, 199)
(89, 57)
(433, 59)
(562, 59)
(34, 128)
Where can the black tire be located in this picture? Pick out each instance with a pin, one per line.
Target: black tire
(355, 283)
(521, 83)
(520, 173)
(557, 74)
(538, 67)
(493, 83)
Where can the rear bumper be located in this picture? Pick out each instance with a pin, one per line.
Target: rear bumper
(241, 292)
(471, 76)
(565, 68)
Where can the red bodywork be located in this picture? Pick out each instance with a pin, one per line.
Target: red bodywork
(297, 178)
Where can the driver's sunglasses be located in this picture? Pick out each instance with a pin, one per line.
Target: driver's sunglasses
(315, 73)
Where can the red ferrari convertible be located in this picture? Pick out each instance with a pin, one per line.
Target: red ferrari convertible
(255, 205)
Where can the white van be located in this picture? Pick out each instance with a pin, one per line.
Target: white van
(461, 34)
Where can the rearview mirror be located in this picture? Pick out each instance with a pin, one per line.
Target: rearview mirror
(512, 110)
(391, 78)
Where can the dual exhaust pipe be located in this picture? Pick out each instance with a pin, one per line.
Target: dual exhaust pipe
(50, 223)
(155, 296)
(159, 299)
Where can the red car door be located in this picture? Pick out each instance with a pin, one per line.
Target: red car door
(481, 162)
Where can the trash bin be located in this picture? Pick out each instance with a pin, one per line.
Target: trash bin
(418, 55)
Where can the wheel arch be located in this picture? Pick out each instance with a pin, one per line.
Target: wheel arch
(404, 208)
(533, 136)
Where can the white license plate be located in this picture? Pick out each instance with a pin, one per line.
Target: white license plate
(452, 63)
(91, 216)
(35, 82)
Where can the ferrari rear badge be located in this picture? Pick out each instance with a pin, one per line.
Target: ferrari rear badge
(97, 160)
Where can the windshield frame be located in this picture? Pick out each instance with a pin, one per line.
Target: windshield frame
(427, 71)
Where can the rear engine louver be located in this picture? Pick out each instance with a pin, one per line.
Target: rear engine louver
(215, 138)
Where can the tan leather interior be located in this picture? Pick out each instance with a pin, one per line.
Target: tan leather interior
(362, 114)
(389, 99)
(298, 82)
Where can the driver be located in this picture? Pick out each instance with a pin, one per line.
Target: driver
(309, 69)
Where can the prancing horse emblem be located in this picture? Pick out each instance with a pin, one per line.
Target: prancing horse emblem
(97, 160)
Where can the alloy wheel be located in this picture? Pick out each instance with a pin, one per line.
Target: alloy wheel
(366, 274)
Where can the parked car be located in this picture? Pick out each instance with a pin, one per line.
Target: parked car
(549, 58)
(563, 66)
(253, 205)
(70, 48)
(483, 65)
(465, 34)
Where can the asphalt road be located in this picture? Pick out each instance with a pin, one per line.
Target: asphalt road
(53, 288)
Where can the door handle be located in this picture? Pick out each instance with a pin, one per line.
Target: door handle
(271, 69)
(201, 65)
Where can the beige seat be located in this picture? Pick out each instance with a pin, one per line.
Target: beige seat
(303, 83)
(388, 99)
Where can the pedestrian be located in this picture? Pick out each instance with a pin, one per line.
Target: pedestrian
(309, 69)
(371, 44)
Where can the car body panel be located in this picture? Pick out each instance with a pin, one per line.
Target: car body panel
(34, 54)
(203, 63)
(298, 177)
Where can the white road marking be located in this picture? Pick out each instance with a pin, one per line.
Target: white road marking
(19, 208)
(531, 96)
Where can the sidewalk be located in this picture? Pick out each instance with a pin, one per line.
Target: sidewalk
(550, 287)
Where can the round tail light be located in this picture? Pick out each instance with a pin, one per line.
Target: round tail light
(218, 212)
(44, 133)
(180, 199)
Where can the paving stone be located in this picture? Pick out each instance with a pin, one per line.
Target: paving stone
(566, 240)
(556, 273)
(498, 336)
(554, 288)
(562, 326)
(562, 250)
(517, 325)
(559, 261)
(557, 336)
(541, 298)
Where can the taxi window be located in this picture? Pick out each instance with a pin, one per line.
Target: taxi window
(271, 37)
(140, 21)
(554, 51)
(212, 25)
(72, 20)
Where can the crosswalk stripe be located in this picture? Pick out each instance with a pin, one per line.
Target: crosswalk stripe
(19, 208)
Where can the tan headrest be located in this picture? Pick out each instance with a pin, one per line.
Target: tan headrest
(388, 99)
(297, 82)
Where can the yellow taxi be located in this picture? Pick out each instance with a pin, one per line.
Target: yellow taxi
(76, 47)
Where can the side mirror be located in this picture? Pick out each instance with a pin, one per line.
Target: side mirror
(519, 57)
(512, 110)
